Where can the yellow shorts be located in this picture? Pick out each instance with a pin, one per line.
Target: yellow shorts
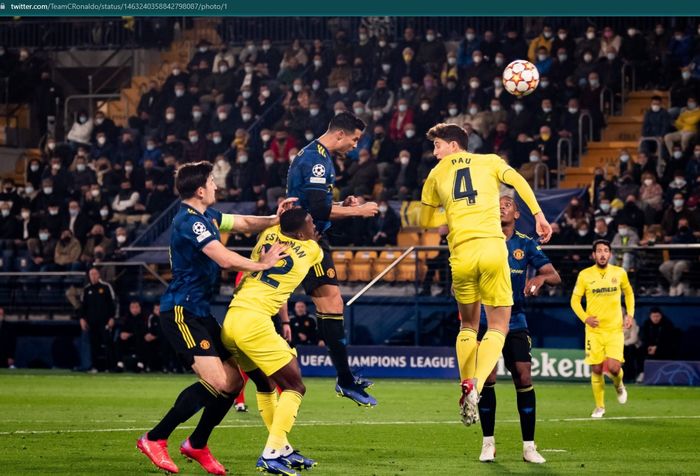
(253, 342)
(480, 271)
(602, 345)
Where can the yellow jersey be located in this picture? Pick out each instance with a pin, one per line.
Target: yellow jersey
(603, 288)
(468, 187)
(266, 291)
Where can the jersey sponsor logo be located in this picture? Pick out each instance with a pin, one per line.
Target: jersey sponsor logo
(203, 236)
(205, 345)
(518, 254)
(605, 290)
(321, 180)
(198, 228)
(318, 170)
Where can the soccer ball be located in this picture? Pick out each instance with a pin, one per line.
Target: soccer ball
(521, 78)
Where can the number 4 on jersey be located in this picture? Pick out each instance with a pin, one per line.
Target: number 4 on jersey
(463, 186)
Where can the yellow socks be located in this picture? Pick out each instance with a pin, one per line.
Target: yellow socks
(267, 402)
(487, 355)
(284, 416)
(617, 379)
(466, 353)
(598, 385)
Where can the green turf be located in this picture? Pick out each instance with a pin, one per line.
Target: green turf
(62, 423)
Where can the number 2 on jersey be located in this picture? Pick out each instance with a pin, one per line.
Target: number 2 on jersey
(463, 186)
(284, 269)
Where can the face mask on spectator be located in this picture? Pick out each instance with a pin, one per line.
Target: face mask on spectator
(477, 59)
(495, 108)
(583, 232)
(56, 167)
(587, 57)
(382, 43)
(655, 107)
(499, 61)
(104, 213)
(692, 105)
(541, 57)
(296, 88)
(265, 93)
(403, 107)
(424, 106)
(242, 159)
(517, 107)
(53, 212)
(473, 110)
(265, 137)
(410, 133)
(469, 36)
(170, 116)
(101, 140)
(679, 182)
(624, 157)
(685, 74)
(34, 167)
(430, 37)
(309, 136)
(405, 86)
(269, 160)
(534, 158)
(48, 190)
(382, 208)
(82, 119)
(266, 47)
(677, 154)
(128, 168)
(376, 114)
(573, 110)
(28, 190)
(678, 202)
(222, 116)
(404, 160)
(610, 56)
(25, 215)
(5, 212)
(623, 231)
(121, 239)
(452, 111)
(343, 89)
(73, 212)
(605, 207)
(194, 139)
(43, 236)
(474, 84)
(99, 120)
(80, 167)
(95, 193)
(179, 92)
(315, 85)
(451, 60)
(314, 112)
(246, 117)
(223, 69)
(216, 139)
(359, 110)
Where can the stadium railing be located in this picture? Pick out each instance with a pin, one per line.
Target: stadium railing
(569, 159)
(581, 140)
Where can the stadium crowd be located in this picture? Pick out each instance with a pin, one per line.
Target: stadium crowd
(249, 110)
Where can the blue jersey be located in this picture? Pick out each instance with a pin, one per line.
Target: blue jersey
(194, 273)
(312, 169)
(523, 253)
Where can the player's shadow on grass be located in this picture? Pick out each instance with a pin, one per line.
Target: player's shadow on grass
(497, 468)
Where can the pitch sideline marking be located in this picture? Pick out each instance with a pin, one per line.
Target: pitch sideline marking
(325, 423)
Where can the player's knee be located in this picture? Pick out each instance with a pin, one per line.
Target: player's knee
(522, 381)
(296, 386)
(614, 367)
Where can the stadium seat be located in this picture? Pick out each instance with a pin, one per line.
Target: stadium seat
(360, 268)
(408, 238)
(409, 271)
(384, 260)
(341, 259)
(429, 238)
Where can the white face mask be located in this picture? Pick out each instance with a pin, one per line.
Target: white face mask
(314, 112)
(541, 57)
(382, 208)
(594, 83)
(451, 61)
(309, 137)
(170, 117)
(452, 111)
(179, 92)
(376, 115)
(648, 182)
(73, 212)
(573, 110)
(296, 88)
(677, 154)
(266, 47)
(430, 37)
(265, 93)
(685, 75)
(269, 160)
(547, 34)
(95, 193)
(518, 107)
(359, 110)
(424, 106)
(216, 139)
(265, 137)
(590, 35)
(43, 236)
(194, 139)
(176, 71)
(222, 116)
(474, 84)
(25, 215)
(404, 160)
(624, 158)
(679, 181)
(678, 203)
(101, 140)
(562, 58)
(150, 146)
(386, 68)
(534, 158)
(246, 94)
(499, 61)
(202, 49)
(605, 207)
(692, 105)
(587, 58)
(80, 167)
(242, 159)
(403, 107)
(55, 166)
(405, 86)
(477, 59)
(5, 212)
(382, 44)
(583, 232)
(104, 213)
(223, 69)
(473, 111)
(121, 239)
(99, 120)
(28, 190)
(343, 90)
(128, 168)
(470, 36)
(48, 190)
(495, 108)
(623, 231)
(562, 36)
(51, 145)
(410, 133)
(655, 107)
(318, 63)
(53, 212)
(610, 56)
(34, 168)
(246, 117)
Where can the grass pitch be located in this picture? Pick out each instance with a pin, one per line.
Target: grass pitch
(63, 423)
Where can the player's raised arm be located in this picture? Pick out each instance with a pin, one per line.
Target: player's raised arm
(545, 275)
(511, 177)
(352, 209)
(230, 259)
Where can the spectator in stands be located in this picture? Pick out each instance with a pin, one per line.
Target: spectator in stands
(590, 100)
(674, 214)
(633, 51)
(384, 227)
(682, 89)
(81, 130)
(631, 214)
(363, 175)
(609, 38)
(625, 236)
(270, 57)
(657, 121)
(82, 175)
(679, 261)
(55, 219)
(127, 149)
(96, 239)
(195, 147)
(499, 140)
(304, 331)
(585, 68)
(130, 340)
(28, 227)
(97, 320)
(9, 233)
(61, 179)
(124, 202)
(563, 66)
(105, 125)
(93, 201)
(35, 172)
(239, 180)
(601, 231)
(78, 221)
(589, 42)
(679, 47)
(157, 354)
(67, 252)
(544, 40)
(692, 168)
(530, 172)
(158, 198)
(438, 267)
(686, 126)
(641, 164)
(651, 198)
(658, 336)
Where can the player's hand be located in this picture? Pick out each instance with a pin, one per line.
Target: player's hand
(367, 210)
(273, 255)
(84, 325)
(287, 331)
(592, 321)
(351, 201)
(532, 287)
(544, 229)
(651, 350)
(628, 321)
(286, 204)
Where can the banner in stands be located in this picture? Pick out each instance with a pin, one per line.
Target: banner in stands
(435, 362)
(668, 372)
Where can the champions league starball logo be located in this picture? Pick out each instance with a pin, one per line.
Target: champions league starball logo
(318, 170)
(198, 228)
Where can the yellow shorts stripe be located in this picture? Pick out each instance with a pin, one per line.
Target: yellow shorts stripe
(184, 330)
(335, 317)
(523, 390)
(211, 389)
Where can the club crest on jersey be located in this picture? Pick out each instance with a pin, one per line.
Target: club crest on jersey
(518, 254)
(614, 280)
(330, 273)
(205, 345)
(318, 170)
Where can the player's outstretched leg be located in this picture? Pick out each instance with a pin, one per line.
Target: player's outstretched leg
(487, 416)
(617, 374)
(598, 387)
(157, 452)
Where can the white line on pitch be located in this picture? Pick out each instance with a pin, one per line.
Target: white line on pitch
(350, 422)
